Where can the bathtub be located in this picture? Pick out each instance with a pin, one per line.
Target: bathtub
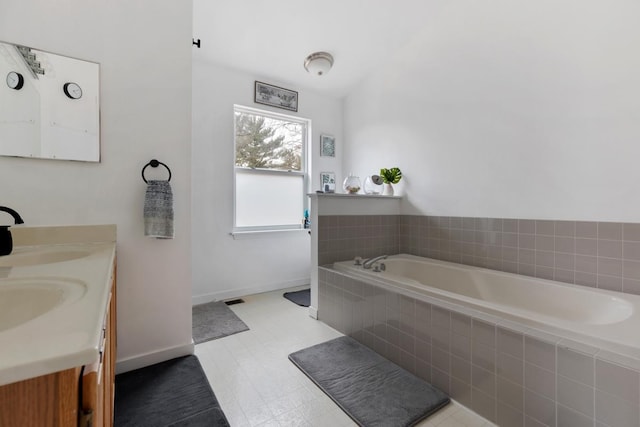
(604, 319)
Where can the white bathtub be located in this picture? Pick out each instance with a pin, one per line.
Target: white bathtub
(605, 319)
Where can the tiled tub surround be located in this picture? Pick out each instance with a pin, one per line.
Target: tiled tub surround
(509, 374)
(342, 237)
(597, 254)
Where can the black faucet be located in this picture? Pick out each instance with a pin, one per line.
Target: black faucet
(16, 216)
(6, 242)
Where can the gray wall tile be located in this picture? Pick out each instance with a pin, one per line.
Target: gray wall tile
(441, 379)
(564, 261)
(631, 269)
(511, 226)
(586, 279)
(527, 226)
(441, 359)
(576, 396)
(461, 392)
(461, 324)
(540, 380)
(507, 416)
(586, 247)
(570, 418)
(510, 342)
(461, 346)
(586, 229)
(461, 369)
(610, 283)
(441, 318)
(615, 412)
(483, 355)
(545, 227)
(545, 243)
(610, 248)
(483, 380)
(618, 381)
(610, 230)
(565, 228)
(511, 368)
(483, 404)
(540, 353)
(631, 251)
(610, 266)
(510, 393)
(631, 232)
(576, 366)
(539, 408)
(484, 332)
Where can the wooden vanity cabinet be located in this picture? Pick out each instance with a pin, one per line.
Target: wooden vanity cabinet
(98, 387)
(66, 398)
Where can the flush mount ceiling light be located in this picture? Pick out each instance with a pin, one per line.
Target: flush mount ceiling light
(318, 63)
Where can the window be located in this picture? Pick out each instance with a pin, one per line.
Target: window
(270, 170)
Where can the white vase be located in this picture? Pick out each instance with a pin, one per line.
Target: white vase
(388, 190)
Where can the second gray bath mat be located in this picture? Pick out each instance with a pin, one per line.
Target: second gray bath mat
(214, 320)
(372, 390)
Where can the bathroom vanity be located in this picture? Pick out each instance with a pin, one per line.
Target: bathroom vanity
(58, 327)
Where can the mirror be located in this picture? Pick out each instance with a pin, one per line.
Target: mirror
(49, 105)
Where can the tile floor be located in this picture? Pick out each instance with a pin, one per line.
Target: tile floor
(258, 386)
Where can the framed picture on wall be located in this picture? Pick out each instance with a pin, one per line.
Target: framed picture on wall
(328, 182)
(275, 96)
(327, 146)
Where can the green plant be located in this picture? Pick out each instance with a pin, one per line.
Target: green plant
(391, 176)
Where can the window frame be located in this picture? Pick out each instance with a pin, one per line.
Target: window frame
(305, 163)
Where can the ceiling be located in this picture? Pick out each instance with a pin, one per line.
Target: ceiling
(272, 38)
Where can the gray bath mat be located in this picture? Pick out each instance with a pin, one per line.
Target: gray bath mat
(302, 298)
(214, 320)
(172, 393)
(372, 390)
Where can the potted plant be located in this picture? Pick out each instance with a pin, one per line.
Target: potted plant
(390, 176)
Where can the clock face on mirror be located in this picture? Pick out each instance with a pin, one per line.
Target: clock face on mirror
(15, 80)
(72, 90)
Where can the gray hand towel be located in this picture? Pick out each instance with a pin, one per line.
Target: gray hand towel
(158, 210)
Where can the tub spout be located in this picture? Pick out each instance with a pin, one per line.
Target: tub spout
(368, 263)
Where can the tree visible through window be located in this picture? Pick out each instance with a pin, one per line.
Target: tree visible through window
(266, 143)
(270, 169)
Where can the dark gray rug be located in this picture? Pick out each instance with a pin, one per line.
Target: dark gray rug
(214, 320)
(372, 390)
(172, 393)
(302, 297)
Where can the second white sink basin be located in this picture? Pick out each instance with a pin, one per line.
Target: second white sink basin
(25, 299)
(35, 257)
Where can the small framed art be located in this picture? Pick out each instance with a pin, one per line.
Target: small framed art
(328, 182)
(327, 146)
(275, 96)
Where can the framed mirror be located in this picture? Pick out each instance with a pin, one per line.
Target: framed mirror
(49, 105)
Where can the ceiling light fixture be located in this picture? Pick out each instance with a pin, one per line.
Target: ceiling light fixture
(318, 63)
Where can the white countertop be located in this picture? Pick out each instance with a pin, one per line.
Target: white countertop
(70, 334)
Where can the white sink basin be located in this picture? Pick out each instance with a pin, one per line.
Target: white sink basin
(35, 257)
(25, 299)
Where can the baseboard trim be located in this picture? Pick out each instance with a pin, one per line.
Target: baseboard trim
(235, 293)
(313, 312)
(140, 361)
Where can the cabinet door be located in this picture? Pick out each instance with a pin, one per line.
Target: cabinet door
(45, 401)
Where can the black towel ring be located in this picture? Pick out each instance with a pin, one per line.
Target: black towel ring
(154, 164)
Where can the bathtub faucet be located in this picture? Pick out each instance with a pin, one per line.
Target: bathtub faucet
(369, 263)
(16, 216)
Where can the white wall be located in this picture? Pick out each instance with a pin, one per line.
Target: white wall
(224, 267)
(509, 109)
(144, 49)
